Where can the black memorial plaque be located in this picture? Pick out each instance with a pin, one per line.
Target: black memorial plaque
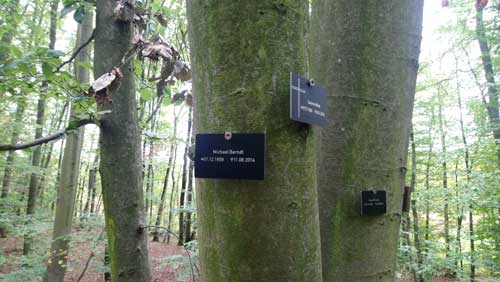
(307, 101)
(233, 156)
(373, 202)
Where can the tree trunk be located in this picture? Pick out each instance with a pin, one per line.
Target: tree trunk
(468, 170)
(174, 182)
(70, 170)
(121, 159)
(416, 229)
(427, 182)
(161, 206)
(442, 124)
(365, 53)
(48, 157)
(492, 104)
(11, 26)
(242, 54)
(170, 169)
(184, 178)
(18, 119)
(89, 205)
(189, 202)
(37, 151)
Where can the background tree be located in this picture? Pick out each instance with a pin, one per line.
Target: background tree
(364, 146)
(70, 168)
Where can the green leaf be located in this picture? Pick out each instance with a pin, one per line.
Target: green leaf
(145, 94)
(73, 124)
(47, 71)
(80, 14)
(85, 64)
(55, 53)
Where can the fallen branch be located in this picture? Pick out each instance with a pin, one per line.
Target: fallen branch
(92, 254)
(193, 265)
(46, 139)
(73, 56)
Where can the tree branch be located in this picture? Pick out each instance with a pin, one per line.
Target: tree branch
(46, 139)
(76, 52)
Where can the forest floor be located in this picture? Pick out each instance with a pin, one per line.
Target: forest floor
(169, 261)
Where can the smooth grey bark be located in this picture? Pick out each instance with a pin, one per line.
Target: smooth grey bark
(242, 53)
(70, 170)
(365, 53)
(120, 150)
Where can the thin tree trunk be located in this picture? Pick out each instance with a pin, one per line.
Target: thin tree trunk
(184, 178)
(189, 202)
(174, 182)
(18, 118)
(37, 151)
(427, 182)
(492, 104)
(48, 157)
(365, 145)
(442, 124)
(468, 170)
(11, 26)
(170, 168)
(89, 205)
(70, 170)
(120, 140)
(416, 228)
(242, 54)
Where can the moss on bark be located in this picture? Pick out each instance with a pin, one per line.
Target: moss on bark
(366, 54)
(242, 54)
(121, 158)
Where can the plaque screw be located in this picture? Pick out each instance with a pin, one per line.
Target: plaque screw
(228, 135)
(311, 82)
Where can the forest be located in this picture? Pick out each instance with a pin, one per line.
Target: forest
(250, 140)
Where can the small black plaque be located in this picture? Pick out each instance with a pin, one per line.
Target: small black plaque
(233, 156)
(373, 202)
(307, 101)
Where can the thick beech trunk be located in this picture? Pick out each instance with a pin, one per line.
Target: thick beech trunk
(242, 54)
(120, 148)
(365, 53)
